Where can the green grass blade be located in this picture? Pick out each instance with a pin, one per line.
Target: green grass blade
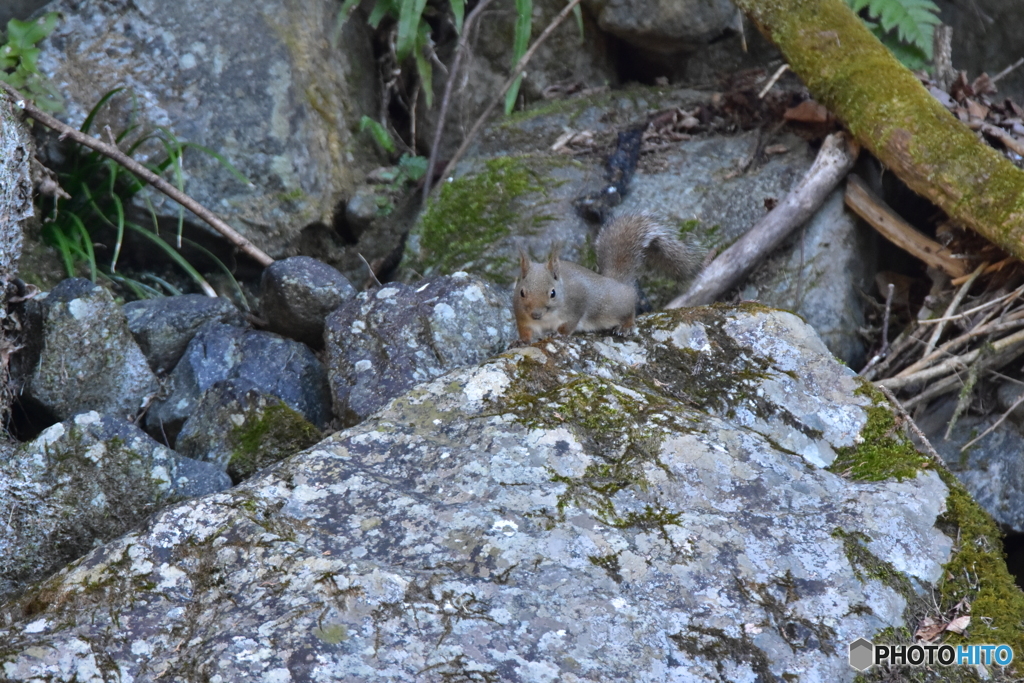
(227, 271)
(380, 9)
(119, 208)
(223, 161)
(176, 257)
(423, 67)
(165, 284)
(86, 240)
(520, 42)
(139, 289)
(87, 124)
(60, 243)
(459, 12)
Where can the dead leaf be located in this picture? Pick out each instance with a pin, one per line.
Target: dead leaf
(929, 630)
(807, 111)
(977, 110)
(959, 625)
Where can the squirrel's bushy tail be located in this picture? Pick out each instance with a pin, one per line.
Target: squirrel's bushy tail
(635, 239)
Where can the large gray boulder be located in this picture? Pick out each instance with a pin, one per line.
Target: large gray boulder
(585, 509)
(261, 84)
(16, 208)
(240, 428)
(669, 27)
(512, 190)
(822, 277)
(297, 294)
(82, 482)
(15, 190)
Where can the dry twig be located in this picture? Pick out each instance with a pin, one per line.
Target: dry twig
(834, 161)
(229, 233)
(995, 425)
(886, 221)
(516, 71)
(460, 51)
(913, 425)
(960, 294)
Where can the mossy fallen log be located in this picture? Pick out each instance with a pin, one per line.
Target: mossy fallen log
(891, 114)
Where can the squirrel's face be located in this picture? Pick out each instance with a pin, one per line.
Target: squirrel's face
(536, 302)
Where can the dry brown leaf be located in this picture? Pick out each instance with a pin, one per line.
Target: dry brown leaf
(807, 111)
(929, 630)
(959, 625)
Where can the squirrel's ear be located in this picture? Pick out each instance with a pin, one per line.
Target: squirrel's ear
(524, 261)
(553, 259)
(553, 262)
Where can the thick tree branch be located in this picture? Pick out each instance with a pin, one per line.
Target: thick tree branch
(229, 233)
(888, 110)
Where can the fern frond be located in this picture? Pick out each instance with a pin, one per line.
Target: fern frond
(913, 21)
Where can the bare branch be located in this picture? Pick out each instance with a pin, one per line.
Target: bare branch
(229, 233)
(834, 161)
(516, 71)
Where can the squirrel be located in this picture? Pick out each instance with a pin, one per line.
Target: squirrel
(563, 297)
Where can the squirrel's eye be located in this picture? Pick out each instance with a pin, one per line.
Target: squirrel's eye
(522, 292)
(552, 294)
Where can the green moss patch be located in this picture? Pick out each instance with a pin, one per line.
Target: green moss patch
(885, 452)
(475, 211)
(978, 573)
(275, 434)
(977, 570)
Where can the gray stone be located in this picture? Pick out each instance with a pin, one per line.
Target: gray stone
(821, 275)
(511, 191)
(668, 27)
(87, 358)
(992, 470)
(586, 510)
(279, 367)
(297, 294)
(15, 191)
(82, 482)
(263, 87)
(362, 208)
(18, 9)
(385, 341)
(241, 429)
(164, 327)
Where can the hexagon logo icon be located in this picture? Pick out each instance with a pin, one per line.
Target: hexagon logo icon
(861, 654)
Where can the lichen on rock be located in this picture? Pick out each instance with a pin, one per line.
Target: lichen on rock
(585, 509)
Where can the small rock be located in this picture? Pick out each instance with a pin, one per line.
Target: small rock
(992, 470)
(382, 343)
(279, 367)
(81, 482)
(363, 208)
(241, 429)
(88, 359)
(164, 327)
(298, 293)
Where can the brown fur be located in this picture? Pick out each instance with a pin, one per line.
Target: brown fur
(562, 297)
